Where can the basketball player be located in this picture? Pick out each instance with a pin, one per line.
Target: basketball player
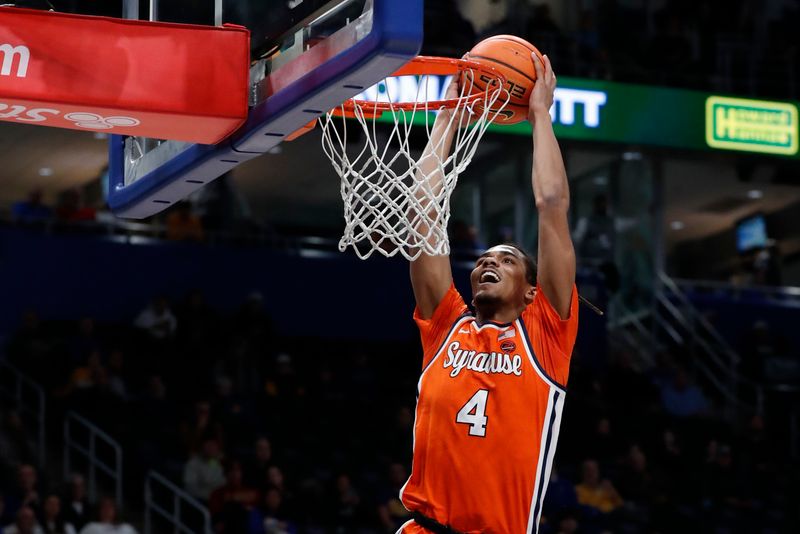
(493, 381)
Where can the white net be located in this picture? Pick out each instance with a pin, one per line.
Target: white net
(396, 202)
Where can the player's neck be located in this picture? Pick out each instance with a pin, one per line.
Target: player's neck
(497, 313)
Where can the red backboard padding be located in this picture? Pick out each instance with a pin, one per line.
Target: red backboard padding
(151, 79)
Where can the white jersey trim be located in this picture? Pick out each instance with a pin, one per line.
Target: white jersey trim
(547, 450)
(456, 325)
(526, 341)
(478, 328)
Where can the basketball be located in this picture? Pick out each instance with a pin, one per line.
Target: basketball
(511, 56)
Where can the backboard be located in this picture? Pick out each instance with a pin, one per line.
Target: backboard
(307, 56)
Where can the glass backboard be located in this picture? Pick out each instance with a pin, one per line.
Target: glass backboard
(308, 56)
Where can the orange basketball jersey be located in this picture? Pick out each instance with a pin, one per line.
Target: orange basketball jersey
(489, 406)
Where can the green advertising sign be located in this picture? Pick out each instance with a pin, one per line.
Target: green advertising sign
(591, 110)
(751, 125)
(675, 118)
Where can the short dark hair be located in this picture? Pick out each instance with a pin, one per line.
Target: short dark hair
(531, 268)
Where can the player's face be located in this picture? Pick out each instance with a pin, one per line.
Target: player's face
(499, 276)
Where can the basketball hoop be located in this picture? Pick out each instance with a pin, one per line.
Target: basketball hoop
(396, 202)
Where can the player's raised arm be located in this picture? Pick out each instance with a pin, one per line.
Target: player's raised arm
(556, 255)
(431, 276)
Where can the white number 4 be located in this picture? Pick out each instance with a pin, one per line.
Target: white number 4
(473, 413)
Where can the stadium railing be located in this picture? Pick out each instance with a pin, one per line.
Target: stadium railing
(784, 294)
(87, 439)
(156, 486)
(678, 318)
(29, 399)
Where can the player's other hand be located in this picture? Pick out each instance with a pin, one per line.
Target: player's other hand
(542, 95)
(453, 88)
(453, 92)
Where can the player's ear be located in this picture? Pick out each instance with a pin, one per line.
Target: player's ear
(530, 293)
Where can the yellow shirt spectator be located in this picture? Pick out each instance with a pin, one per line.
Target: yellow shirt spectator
(596, 493)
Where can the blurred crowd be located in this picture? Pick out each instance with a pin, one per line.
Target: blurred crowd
(30, 505)
(72, 209)
(284, 435)
(738, 46)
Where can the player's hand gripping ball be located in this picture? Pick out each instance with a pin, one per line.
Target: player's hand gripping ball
(511, 56)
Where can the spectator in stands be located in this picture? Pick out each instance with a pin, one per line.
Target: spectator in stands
(84, 342)
(201, 427)
(391, 511)
(52, 520)
(253, 334)
(625, 381)
(157, 320)
(671, 452)
(767, 356)
(682, 398)
(156, 422)
(25, 524)
(277, 480)
(397, 439)
(561, 496)
(183, 225)
(16, 445)
(595, 240)
(32, 210)
(30, 345)
(203, 472)
(722, 485)
(567, 522)
(77, 508)
(767, 266)
(70, 207)
(346, 505)
(26, 493)
(234, 490)
(115, 372)
(595, 492)
(232, 503)
(86, 376)
(285, 386)
(107, 520)
(270, 517)
(635, 480)
(256, 472)
(233, 411)
(603, 444)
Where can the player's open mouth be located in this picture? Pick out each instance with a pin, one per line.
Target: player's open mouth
(489, 277)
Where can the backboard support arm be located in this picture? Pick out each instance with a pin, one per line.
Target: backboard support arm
(130, 10)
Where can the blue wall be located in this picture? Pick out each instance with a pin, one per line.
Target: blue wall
(735, 315)
(327, 295)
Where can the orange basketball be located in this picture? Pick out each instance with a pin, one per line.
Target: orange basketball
(512, 57)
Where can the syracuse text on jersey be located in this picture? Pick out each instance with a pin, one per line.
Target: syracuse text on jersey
(481, 362)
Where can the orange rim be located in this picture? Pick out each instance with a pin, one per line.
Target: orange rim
(423, 65)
